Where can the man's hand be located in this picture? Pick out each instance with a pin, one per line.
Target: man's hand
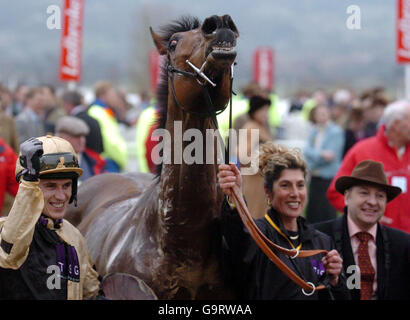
(31, 151)
(333, 266)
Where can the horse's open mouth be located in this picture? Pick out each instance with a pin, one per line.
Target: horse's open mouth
(223, 51)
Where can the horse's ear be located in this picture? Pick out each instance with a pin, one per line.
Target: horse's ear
(158, 41)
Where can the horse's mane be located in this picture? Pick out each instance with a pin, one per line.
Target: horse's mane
(185, 23)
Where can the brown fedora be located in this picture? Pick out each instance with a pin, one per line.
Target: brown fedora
(368, 172)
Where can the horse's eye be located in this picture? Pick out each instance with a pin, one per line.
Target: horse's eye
(172, 45)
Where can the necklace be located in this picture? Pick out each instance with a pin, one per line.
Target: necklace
(294, 237)
(282, 234)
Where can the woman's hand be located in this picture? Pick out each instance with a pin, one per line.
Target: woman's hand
(328, 155)
(333, 264)
(228, 177)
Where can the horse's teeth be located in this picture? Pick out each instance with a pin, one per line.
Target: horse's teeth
(222, 48)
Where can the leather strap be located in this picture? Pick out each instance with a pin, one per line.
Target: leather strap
(266, 245)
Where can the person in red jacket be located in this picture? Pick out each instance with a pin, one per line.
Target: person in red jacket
(8, 181)
(391, 146)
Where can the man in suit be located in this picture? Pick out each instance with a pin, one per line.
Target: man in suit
(381, 253)
(29, 122)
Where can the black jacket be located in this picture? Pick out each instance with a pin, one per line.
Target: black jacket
(30, 281)
(254, 276)
(393, 258)
(94, 138)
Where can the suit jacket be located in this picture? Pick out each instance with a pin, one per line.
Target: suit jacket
(393, 257)
(27, 126)
(8, 131)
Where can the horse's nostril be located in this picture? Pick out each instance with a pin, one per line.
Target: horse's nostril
(228, 23)
(210, 25)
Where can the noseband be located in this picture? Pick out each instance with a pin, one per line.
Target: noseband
(198, 74)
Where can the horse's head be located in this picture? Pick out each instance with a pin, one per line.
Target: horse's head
(211, 46)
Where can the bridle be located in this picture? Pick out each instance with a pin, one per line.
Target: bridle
(198, 74)
(266, 245)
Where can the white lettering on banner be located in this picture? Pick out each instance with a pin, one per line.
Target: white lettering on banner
(71, 41)
(404, 53)
(264, 64)
(404, 27)
(69, 71)
(70, 67)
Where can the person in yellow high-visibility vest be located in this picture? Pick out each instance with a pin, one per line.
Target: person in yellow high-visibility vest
(115, 147)
(146, 121)
(318, 97)
(240, 106)
(274, 115)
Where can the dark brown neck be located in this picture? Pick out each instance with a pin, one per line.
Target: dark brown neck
(189, 197)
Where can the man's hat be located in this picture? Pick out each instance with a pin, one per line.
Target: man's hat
(72, 126)
(368, 172)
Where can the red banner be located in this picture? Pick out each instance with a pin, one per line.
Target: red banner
(403, 31)
(155, 63)
(263, 67)
(153, 57)
(71, 40)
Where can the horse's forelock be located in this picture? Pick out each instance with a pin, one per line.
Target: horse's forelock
(184, 23)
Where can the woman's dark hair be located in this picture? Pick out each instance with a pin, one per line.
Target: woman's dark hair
(273, 159)
(257, 102)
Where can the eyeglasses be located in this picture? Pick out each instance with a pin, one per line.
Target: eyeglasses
(52, 161)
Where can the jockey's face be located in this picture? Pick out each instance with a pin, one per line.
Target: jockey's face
(57, 194)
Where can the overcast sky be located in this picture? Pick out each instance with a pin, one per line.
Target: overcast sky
(312, 43)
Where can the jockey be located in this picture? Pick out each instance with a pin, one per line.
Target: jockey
(42, 256)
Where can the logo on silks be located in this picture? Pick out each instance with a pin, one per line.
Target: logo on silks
(67, 261)
(318, 267)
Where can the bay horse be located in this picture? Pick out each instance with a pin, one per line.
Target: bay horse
(164, 229)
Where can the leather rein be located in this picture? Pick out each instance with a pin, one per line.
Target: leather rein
(266, 245)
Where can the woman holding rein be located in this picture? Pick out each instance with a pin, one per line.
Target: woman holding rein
(253, 275)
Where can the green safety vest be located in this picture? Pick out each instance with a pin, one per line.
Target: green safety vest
(273, 115)
(144, 123)
(307, 107)
(115, 147)
(240, 105)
